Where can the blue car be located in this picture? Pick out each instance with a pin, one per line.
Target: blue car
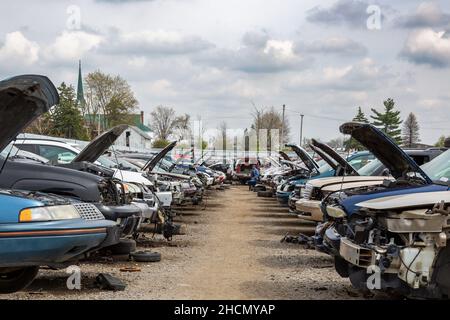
(398, 228)
(39, 229)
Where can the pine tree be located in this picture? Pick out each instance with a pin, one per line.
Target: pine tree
(411, 131)
(360, 116)
(66, 117)
(352, 144)
(389, 122)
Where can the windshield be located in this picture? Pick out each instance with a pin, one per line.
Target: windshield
(324, 167)
(371, 168)
(439, 168)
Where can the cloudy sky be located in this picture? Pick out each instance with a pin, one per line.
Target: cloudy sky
(216, 59)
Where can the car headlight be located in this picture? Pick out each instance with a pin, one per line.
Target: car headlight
(52, 213)
(336, 212)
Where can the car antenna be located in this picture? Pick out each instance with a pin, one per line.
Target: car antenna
(7, 156)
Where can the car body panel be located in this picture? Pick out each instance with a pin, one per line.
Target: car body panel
(409, 200)
(350, 204)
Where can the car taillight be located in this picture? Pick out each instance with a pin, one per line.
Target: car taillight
(238, 169)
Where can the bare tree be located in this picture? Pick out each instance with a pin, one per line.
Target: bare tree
(182, 126)
(163, 121)
(411, 131)
(269, 119)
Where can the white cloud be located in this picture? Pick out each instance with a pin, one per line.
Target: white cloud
(17, 50)
(427, 46)
(361, 76)
(258, 54)
(71, 46)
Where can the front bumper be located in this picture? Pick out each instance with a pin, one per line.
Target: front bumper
(127, 217)
(309, 210)
(54, 242)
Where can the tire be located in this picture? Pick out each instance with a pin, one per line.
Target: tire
(17, 280)
(125, 246)
(441, 274)
(146, 256)
(265, 194)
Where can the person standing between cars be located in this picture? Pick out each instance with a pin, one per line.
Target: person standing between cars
(254, 177)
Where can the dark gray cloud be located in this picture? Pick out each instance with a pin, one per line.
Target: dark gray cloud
(427, 14)
(343, 12)
(334, 45)
(429, 47)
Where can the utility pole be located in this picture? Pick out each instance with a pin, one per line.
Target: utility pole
(282, 127)
(301, 129)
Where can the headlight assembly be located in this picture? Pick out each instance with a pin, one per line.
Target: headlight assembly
(336, 212)
(52, 213)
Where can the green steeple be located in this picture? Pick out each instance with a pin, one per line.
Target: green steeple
(80, 91)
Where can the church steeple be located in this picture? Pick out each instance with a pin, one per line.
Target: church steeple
(80, 91)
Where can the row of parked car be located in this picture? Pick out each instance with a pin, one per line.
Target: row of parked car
(61, 203)
(382, 214)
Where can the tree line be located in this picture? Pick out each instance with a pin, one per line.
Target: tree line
(405, 133)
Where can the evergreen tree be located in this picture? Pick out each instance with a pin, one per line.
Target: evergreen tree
(66, 117)
(352, 144)
(389, 120)
(411, 131)
(360, 116)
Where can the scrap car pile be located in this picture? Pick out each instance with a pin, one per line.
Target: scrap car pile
(61, 205)
(382, 214)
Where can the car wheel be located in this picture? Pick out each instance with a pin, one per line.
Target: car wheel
(146, 256)
(12, 280)
(265, 194)
(441, 274)
(125, 246)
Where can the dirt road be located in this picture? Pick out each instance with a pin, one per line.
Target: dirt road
(231, 250)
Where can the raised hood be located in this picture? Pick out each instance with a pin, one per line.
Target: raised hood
(23, 99)
(334, 156)
(304, 156)
(150, 165)
(100, 144)
(285, 156)
(324, 156)
(384, 148)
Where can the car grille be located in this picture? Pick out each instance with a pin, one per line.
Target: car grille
(307, 191)
(88, 211)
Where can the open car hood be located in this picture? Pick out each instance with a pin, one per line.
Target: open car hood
(150, 165)
(100, 144)
(324, 157)
(333, 155)
(23, 99)
(286, 158)
(304, 156)
(383, 148)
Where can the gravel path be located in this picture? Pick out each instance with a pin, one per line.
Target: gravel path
(230, 250)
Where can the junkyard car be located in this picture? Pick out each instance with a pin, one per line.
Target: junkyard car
(38, 229)
(398, 231)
